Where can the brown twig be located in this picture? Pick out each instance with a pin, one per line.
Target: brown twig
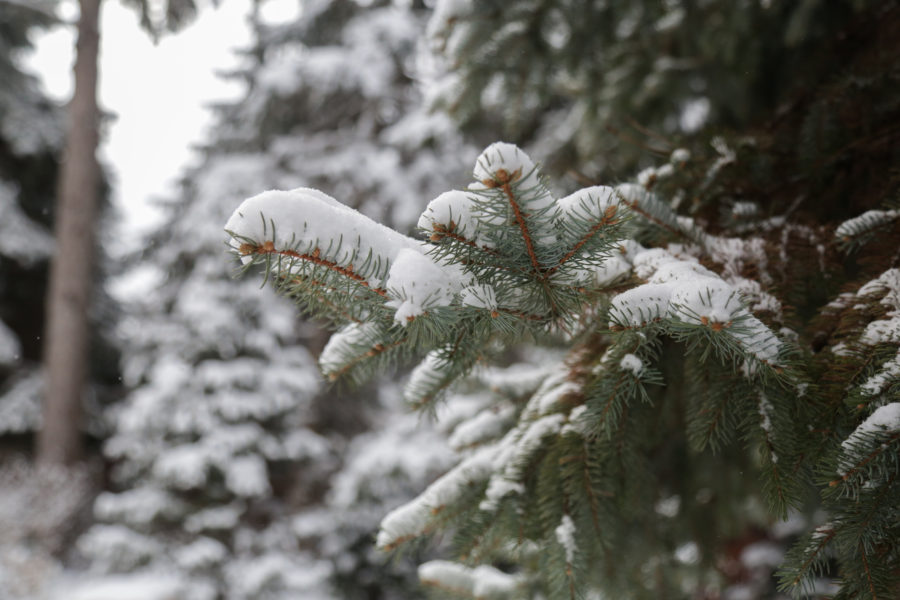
(824, 542)
(268, 247)
(523, 226)
(441, 231)
(323, 298)
(502, 179)
(609, 218)
(373, 351)
(862, 554)
(881, 448)
(634, 206)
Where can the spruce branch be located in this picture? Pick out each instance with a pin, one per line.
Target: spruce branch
(669, 362)
(810, 553)
(502, 180)
(609, 218)
(865, 223)
(268, 248)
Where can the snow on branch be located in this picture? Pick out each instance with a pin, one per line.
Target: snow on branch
(417, 283)
(308, 227)
(10, 347)
(508, 224)
(516, 449)
(486, 425)
(353, 343)
(429, 377)
(884, 330)
(685, 292)
(873, 436)
(500, 465)
(452, 214)
(888, 372)
(565, 535)
(864, 224)
(414, 519)
(502, 163)
(500, 253)
(21, 239)
(483, 581)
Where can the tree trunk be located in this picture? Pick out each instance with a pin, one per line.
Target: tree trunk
(71, 273)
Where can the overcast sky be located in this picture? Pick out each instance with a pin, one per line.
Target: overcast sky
(157, 92)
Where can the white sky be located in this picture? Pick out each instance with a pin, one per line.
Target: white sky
(157, 92)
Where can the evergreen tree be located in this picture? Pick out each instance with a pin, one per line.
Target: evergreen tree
(39, 507)
(30, 139)
(69, 292)
(730, 315)
(220, 423)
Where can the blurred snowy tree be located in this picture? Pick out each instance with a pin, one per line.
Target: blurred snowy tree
(224, 452)
(334, 101)
(70, 291)
(31, 138)
(39, 506)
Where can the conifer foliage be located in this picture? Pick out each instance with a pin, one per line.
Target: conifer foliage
(585, 81)
(533, 274)
(674, 385)
(730, 377)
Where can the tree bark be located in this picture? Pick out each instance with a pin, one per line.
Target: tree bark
(67, 333)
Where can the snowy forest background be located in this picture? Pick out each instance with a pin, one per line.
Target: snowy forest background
(219, 462)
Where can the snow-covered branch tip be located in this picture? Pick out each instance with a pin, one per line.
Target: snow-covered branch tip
(684, 292)
(503, 252)
(508, 220)
(859, 227)
(315, 229)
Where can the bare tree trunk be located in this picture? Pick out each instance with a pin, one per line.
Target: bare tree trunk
(67, 334)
